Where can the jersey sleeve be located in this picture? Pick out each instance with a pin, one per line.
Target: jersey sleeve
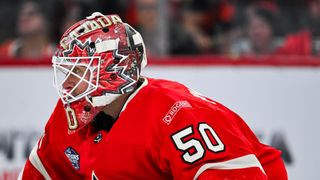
(234, 174)
(46, 160)
(200, 144)
(34, 168)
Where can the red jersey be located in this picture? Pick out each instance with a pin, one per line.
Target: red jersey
(164, 131)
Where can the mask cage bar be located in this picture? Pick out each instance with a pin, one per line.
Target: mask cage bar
(59, 64)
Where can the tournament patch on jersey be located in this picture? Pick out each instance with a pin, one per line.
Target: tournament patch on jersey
(74, 157)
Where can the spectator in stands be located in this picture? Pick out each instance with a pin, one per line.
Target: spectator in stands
(312, 19)
(299, 43)
(73, 12)
(194, 16)
(33, 41)
(259, 29)
(307, 40)
(149, 23)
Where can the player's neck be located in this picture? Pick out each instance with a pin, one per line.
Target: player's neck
(115, 107)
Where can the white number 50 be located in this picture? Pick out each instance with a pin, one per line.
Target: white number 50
(198, 150)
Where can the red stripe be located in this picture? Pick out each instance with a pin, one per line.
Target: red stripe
(201, 60)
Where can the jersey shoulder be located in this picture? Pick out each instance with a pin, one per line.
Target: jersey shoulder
(191, 129)
(170, 94)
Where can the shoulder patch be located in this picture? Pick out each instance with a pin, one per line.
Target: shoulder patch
(174, 110)
(73, 156)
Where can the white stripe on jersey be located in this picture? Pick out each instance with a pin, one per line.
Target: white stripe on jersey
(36, 162)
(237, 163)
(20, 174)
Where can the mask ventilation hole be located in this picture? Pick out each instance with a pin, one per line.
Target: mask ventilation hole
(92, 45)
(81, 31)
(116, 61)
(105, 29)
(87, 108)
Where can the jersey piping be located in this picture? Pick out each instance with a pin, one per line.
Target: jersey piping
(246, 161)
(36, 162)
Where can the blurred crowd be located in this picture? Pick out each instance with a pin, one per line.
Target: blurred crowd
(31, 28)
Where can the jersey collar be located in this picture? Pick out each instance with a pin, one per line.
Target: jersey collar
(145, 83)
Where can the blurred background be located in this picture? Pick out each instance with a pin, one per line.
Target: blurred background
(258, 57)
(232, 28)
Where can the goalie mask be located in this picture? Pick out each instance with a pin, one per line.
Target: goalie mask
(97, 60)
